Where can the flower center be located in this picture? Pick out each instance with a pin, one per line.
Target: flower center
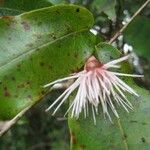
(92, 64)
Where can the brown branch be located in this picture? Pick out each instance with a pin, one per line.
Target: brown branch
(8, 124)
(131, 19)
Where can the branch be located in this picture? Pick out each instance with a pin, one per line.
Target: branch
(8, 124)
(125, 26)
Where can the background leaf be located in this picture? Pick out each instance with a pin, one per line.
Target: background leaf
(137, 35)
(106, 6)
(15, 7)
(131, 131)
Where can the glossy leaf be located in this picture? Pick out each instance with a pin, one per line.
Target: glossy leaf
(131, 131)
(38, 47)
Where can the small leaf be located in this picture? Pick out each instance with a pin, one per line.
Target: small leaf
(106, 52)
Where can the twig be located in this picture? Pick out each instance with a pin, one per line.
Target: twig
(8, 124)
(131, 19)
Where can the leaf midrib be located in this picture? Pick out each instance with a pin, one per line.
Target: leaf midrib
(123, 134)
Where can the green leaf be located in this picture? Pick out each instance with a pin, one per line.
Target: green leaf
(137, 35)
(55, 2)
(105, 52)
(131, 131)
(38, 47)
(106, 6)
(15, 7)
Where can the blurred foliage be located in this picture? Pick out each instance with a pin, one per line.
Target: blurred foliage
(137, 35)
(38, 131)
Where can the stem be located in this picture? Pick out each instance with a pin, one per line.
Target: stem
(125, 26)
(8, 124)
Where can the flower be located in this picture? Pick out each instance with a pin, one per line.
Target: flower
(96, 85)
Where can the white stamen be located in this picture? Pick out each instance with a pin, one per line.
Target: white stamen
(64, 79)
(69, 90)
(128, 75)
(114, 66)
(96, 86)
(94, 118)
(114, 62)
